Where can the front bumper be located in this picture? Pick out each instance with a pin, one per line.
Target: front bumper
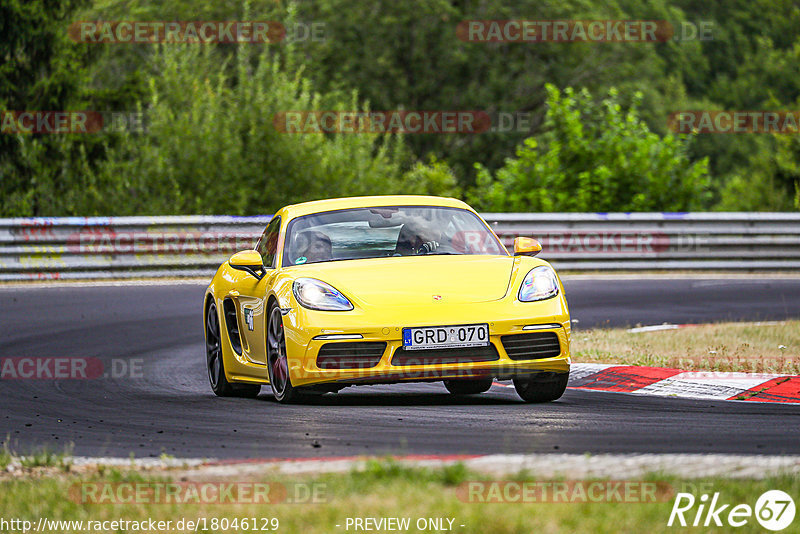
(303, 349)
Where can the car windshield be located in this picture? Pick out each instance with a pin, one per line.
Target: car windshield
(385, 232)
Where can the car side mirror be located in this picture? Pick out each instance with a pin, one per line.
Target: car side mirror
(526, 246)
(248, 261)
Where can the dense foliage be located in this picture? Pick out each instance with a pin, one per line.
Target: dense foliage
(595, 136)
(593, 156)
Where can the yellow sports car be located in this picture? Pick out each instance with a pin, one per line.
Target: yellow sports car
(385, 289)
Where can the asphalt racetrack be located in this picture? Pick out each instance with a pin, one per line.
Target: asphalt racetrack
(168, 407)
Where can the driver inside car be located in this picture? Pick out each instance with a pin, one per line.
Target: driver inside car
(414, 239)
(318, 248)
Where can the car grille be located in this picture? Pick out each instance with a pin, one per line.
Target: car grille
(532, 346)
(442, 356)
(358, 355)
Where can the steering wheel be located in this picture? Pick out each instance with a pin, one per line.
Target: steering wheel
(430, 247)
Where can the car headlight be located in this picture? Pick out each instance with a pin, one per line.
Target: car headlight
(539, 284)
(317, 295)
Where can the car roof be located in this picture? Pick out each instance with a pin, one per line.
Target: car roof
(332, 204)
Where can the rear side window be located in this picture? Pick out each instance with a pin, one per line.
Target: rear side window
(268, 244)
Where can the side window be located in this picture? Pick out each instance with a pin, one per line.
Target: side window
(268, 244)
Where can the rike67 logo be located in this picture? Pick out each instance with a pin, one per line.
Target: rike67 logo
(774, 510)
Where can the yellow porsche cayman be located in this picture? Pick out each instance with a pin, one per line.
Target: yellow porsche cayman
(385, 289)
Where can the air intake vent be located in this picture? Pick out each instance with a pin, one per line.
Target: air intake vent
(443, 356)
(532, 346)
(232, 324)
(358, 355)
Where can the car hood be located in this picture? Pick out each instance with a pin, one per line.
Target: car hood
(410, 280)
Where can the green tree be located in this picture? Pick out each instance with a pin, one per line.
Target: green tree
(40, 69)
(211, 145)
(594, 156)
(386, 56)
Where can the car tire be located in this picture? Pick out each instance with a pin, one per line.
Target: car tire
(216, 365)
(277, 360)
(542, 387)
(468, 387)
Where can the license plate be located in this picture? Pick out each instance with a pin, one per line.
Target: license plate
(446, 337)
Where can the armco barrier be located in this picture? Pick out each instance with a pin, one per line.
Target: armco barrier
(125, 247)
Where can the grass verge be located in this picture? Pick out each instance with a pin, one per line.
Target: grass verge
(37, 458)
(747, 347)
(385, 489)
(5, 457)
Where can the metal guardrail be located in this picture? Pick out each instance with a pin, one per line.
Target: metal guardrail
(660, 241)
(126, 247)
